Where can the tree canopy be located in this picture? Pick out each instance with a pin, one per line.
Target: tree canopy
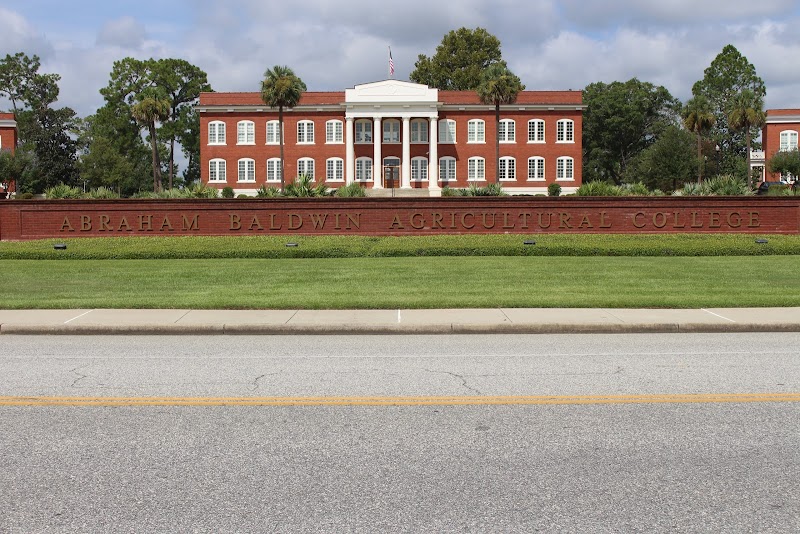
(459, 60)
(499, 86)
(281, 89)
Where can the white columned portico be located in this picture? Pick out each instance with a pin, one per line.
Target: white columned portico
(433, 155)
(350, 153)
(377, 160)
(405, 175)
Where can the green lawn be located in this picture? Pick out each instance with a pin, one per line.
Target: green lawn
(407, 282)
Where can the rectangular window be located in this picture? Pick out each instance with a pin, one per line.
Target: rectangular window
(476, 131)
(216, 170)
(335, 170)
(564, 169)
(333, 132)
(447, 169)
(536, 169)
(476, 169)
(305, 132)
(305, 166)
(419, 169)
(447, 131)
(508, 169)
(247, 170)
(245, 133)
(565, 132)
(216, 133)
(363, 131)
(419, 131)
(506, 131)
(788, 140)
(274, 170)
(273, 130)
(391, 131)
(536, 131)
(364, 169)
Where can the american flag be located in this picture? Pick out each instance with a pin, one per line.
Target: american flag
(391, 63)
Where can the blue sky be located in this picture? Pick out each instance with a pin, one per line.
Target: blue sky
(550, 44)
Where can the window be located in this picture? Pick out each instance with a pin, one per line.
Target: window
(391, 131)
(245, 133)
(334, 170)
(536, 168)
(305, 132)
(564, 168)
(508, 169)
(363, 131)
(216, 171)
(247, 170)
(565, 131)
(447, 131)
(419, 131)
(788, 140)
(274, 170)
(216, 133)
(419, 169)
(364, 169)
(506, 132)
(305, 166)
(447, 169)
(333, 132)
(273, 132)
(476, 131)
(536, 131)
(476, 169)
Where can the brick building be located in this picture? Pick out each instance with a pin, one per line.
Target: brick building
(393, 134)
(779, 133)
(8, 141)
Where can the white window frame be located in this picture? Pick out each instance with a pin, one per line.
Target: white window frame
(565, 169)
(507, 170)
(303, 165)
(788, 140)
(476, 169)
(273, 132)
(536, 128)
(305, 132)
(218, 135)
(419, 130)
(536, 169)
(419, 169)
(391, 131)
(334, 170)
(334, 132)
(363, 132)
(565, 131)
(363, 169)
(217, 170)
(476, 131)
(245, 133)
(247, 170)
(507, 131)
(447, 132)
(274, 170)
(447, 169)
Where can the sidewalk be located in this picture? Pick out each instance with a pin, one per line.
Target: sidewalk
(460, 321)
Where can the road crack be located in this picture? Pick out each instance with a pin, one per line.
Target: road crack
(463, 379)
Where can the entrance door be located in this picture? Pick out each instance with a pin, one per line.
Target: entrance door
(391, 173)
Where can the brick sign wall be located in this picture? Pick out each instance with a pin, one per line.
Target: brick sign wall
(22, 220)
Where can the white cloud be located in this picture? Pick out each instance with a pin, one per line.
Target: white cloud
(126, 32)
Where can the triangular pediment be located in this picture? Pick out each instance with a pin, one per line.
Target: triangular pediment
(388, 91)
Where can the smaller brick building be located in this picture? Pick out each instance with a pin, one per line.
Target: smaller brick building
(394, 134)
(8, 141)
(778, 134)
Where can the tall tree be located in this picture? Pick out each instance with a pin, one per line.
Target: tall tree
(621, 120)
(17, 73)
(499, 86)
(152, 107)
(667, 164)
(281, 89)
(459, 60)
(729, 74)
(746, 112)
(698, 118)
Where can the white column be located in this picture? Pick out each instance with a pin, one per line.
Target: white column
(377, 158)
(433, 155)
(405, 168)
(350, 151)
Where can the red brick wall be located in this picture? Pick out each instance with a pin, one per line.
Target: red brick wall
(21, 220)
(771, 136)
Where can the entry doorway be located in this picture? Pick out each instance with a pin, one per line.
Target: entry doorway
(391, 173)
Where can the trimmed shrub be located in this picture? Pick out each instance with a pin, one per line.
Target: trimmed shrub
(554, 190)
(303, 187)
(242, 195)
(102, 193)
(227, 192)
(268, 192)
(351, 191)
(63, 191)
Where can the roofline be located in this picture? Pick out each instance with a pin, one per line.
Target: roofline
(343, 106)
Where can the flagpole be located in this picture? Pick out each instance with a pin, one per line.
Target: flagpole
(391, 64)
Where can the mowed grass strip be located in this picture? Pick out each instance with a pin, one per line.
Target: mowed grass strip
(411, 282)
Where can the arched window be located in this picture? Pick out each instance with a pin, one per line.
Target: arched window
(305, 167)
(506, 132)
(508, 169)
(447, 169)
(536, 168)
(334, 170)
(216, 133)
(363, 131)
(419, 169)
(788, 140)
(247, 170)
(536, 131)
(565, 168)
(274, 170)
(565, 131)
(273, 132)
(364, 169)
(305, 132)
(245, 133)
(447, 131)
(391, 131)
(217, 171)
(333, 131)
(476, 169)
(476, 131)
(419, 130)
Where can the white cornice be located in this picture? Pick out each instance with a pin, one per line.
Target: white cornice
(783, 119)
(8, 123)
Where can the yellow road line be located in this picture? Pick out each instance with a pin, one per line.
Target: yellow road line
(705, 398)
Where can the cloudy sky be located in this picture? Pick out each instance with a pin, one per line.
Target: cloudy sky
(332, 45)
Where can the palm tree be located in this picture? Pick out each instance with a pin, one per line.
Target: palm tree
(746, 111)
(149, 110)
(281, 89)
(499, 86)
(698, 118)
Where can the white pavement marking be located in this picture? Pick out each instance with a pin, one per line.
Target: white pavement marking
(718, 315)
(77, 316)
(399, 319)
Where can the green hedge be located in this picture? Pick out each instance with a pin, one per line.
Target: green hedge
(365, 247)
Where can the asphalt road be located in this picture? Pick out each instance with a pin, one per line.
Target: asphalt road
(655, 466)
